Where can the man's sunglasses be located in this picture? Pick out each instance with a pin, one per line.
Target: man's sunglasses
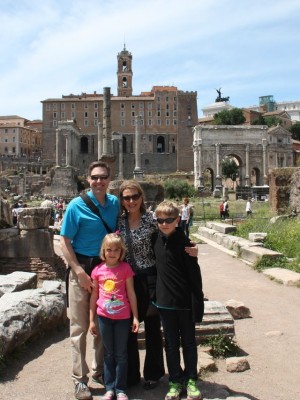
(165, 220)
(134, 197)
(97, 177)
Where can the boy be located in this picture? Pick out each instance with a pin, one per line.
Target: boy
(179, 298)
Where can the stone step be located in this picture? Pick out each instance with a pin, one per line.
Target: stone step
(216, 320)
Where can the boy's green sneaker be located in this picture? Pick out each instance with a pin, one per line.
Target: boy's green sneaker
(174, 392)
(193, 393)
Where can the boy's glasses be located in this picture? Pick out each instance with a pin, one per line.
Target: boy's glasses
(134, 197)
(165, 220)
(97, 177)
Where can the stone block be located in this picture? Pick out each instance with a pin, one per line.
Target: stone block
(222, 227)
(17, 281)
(257, 236)
(285, 276)
(34, 218)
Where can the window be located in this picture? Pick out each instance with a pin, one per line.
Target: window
(149, 113)
(174, 121)
(62, 106)
(6, 130)
(95, 114)
(141, 105)
(158, 122)
(122, 114)
(132, 113)
(167, 113)
(141, 113)
(86, 122)
(95, 122)
(122, 105)
(149, 122)
(54, 124)
(149, 105)
(55, 106)
(73, 105)
(158, 113)
(122, 122)
(124, 82)
(48, 107)
(158, 98)
(62, 115)
(54, 115)
(73, 115)
(141, 122)
(13, 139)
(167, 98)
(133, 122)
(167, 122)
(86, 105)
(174, 113)
(96, 106)
(86, 114)
(132, 105)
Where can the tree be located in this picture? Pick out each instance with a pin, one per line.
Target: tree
(229, 168)
(234, 116)
(272, 121)
(295, 130)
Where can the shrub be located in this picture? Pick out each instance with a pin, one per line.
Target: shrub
(177, 188)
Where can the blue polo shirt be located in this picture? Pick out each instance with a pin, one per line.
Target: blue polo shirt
(85, 228)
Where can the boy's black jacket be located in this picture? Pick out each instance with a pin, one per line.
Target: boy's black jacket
(179, 281)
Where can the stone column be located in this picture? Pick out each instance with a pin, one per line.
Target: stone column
(218, 177)
(100, 139)
(247, 165)
(106, 122)
(138, 173)
(68, 148)
(57, 148)
(264, 145)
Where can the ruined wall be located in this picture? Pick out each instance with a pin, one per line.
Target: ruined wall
(280, 182)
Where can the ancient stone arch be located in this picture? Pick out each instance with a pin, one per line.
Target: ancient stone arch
(247, 144)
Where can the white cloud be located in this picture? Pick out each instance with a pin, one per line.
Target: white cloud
(50, 48)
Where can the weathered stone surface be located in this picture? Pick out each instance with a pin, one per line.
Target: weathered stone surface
(31, 243)
(273, 334)
(237, 309)
(34, 218)
(206, 362)
(257, 236)
(17, 281)
(221, 227)
(216, 320)
(257, 253)
(285, 276)
(5, 214)
(24, 314)
(8, 233)
(237, 364)
(294, 192)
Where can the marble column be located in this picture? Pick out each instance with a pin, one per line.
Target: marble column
(100, 139)
(106, 122)
(68, 148)
(264, 144)
(247, 165)
(138, 173)
(57, 149)
(218, 176)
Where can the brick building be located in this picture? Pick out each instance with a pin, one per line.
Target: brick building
(20, 137)
(167, 118)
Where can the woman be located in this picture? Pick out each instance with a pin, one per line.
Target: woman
(140, 227)
(185, 216)
(140, 256)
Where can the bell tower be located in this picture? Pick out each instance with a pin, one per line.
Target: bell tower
(124, 73)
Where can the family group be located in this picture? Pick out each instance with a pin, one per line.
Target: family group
(127, 265)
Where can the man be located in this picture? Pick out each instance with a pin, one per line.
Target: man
(82, 233)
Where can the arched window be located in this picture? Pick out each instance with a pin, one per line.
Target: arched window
(160, 144)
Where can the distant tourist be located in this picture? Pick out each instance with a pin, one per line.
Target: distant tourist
(248, 208)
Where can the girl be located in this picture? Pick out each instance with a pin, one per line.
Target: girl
(114, 298)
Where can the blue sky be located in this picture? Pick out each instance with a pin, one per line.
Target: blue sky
(249, 48)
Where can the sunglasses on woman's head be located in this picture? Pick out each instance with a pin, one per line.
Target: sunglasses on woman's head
(169, 220)
(134, 197)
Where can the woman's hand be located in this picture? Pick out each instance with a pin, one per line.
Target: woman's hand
(192, 251)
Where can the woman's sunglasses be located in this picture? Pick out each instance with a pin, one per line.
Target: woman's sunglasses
(134, 197)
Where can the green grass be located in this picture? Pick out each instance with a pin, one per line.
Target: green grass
(282, 235)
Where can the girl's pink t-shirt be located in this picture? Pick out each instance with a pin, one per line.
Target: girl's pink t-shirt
(113, 301)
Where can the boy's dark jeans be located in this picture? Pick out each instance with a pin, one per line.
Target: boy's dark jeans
(179, 328)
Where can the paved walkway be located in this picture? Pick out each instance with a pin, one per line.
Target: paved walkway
(270, 339)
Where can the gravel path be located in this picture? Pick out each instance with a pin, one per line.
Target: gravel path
(270, 339)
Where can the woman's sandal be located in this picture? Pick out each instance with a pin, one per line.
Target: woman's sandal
(148, 385)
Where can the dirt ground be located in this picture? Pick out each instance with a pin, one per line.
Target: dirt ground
(270, 339)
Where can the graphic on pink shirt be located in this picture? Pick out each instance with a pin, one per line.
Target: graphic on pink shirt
(113, 301)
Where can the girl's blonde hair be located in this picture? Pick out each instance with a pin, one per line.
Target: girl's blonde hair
(167, 208)
(116, 240)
